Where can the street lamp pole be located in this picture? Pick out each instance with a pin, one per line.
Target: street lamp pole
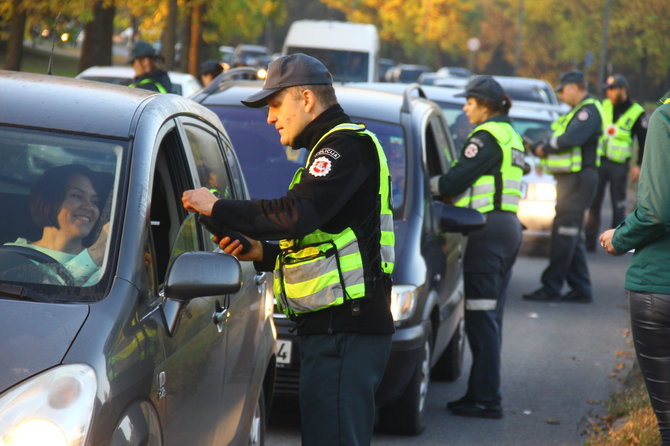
(519, 37)
(603, 46)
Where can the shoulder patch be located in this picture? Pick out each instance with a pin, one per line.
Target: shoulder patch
(471, 150)
(477, 142)
(583, 114)
(320, 167)
(334, 154)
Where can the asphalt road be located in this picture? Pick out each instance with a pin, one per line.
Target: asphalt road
(560, 363)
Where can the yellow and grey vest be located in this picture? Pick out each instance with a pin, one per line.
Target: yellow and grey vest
(569, 160)
(616, 144)
(501, 191)
(145, 81)
(322, 270)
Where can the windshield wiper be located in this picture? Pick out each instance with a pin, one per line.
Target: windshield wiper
(19, 292)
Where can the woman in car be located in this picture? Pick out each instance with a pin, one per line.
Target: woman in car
(486, 177)
(64, 203)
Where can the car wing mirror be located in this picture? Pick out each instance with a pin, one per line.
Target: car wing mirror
(199, 274)
(459, 219)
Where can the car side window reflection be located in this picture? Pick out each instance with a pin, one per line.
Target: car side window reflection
(209, 161)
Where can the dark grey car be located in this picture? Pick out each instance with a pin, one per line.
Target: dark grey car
(167, 342)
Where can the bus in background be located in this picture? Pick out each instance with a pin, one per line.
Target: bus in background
(349, 50)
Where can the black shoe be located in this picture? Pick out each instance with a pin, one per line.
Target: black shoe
(479, 410)
(541, 296)
(576, 297)
(464, 401)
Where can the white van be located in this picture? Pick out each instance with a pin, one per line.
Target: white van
(349, 50)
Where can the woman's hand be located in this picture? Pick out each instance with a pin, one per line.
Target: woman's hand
(606, 242)
(97, 249)
(234, 247)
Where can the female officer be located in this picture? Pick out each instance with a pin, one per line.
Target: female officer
(486, 177)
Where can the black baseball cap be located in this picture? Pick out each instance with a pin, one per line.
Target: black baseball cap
(210, 66)
(569, 77)
(484, 87)
(142, 49)
(616, 81)
(290, 71)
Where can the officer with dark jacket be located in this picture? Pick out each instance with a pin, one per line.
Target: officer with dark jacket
(148, 74)
(624, 121)
(333, 263)
(571, 155)
(486, 177)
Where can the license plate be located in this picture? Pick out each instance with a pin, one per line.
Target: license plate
(283, 352)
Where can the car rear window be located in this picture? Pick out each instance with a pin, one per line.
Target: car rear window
(59, 191)
(269, 167)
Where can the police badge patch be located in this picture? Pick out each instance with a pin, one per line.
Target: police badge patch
(471, 151)
(320, 167)
(583, 115)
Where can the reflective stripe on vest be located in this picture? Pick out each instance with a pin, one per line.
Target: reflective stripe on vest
(156, 84)
(616, 144)
(323, 270)
(569, 160)
(483, 195)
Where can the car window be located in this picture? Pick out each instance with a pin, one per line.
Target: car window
(60, 191)
(209, 162)
(345, 66)
(459, 125)
(533, 129)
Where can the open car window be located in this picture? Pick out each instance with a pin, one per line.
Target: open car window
(60, 192)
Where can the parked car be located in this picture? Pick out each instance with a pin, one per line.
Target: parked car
(406, 73)
(183, 84)
(427, 298)
(530, 90)
(172, 342)
(251, 56)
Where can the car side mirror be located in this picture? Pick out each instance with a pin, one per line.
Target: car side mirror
(459, 219)
(199, 274)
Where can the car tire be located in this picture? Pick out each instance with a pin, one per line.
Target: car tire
(258, 422)
(450, 364)
(406, 415)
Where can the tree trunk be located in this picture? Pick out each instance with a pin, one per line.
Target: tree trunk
(196, 37)
(17, 28)
(97, 46)
(170, 34)
(185, 36)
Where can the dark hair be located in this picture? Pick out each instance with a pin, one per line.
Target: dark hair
(325, 93)
(495, 107)
(48, 192)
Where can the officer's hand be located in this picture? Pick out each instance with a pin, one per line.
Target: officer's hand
(234, 247)
(634, 174)
(199, 200)
(606, 242)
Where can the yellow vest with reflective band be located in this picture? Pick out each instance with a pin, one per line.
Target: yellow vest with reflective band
(617, 141)
(501, 191)
(322, 270)
(156, 84)
(569, 160)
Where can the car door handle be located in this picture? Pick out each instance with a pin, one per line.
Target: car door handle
(259, 279)
(220, 315)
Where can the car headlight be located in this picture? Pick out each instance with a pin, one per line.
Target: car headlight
(403, 301)
(541, 192)
(53, 408)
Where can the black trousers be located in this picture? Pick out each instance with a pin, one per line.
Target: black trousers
(489, 257)
(650, 322)
(567, 256)
(339, 374)
(616, 174)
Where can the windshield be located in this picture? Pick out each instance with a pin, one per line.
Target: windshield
(60, 190)
(345, 66)
(268, 167)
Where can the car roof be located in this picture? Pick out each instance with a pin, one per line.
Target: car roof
(82, 106)
(369, 104)
(128, 73)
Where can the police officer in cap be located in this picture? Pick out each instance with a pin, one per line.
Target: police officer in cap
(148, 74)
(209, 69)
(624, 121)
(571, 156)
(335, 254)
(486, 177)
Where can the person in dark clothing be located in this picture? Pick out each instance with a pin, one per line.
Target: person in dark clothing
(571, 155)
(335, 213)
(487, 177)
(624, 121)
(209, 69)
(148, 74)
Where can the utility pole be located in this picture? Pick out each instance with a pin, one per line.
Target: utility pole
(603, 47)
(519, 38)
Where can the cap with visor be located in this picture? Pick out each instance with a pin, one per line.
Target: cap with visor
(616, 81)
(290, 71)
(484, 87)
(570, 77)
(141, 49)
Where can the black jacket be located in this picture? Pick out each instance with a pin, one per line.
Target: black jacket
(346, 195)
(159, 76)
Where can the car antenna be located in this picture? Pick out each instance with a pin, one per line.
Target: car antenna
(53, 44)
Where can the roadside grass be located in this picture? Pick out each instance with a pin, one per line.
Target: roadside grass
(630, 420)
(37, 61)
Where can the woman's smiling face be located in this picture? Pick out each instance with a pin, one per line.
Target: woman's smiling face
(79, 211)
